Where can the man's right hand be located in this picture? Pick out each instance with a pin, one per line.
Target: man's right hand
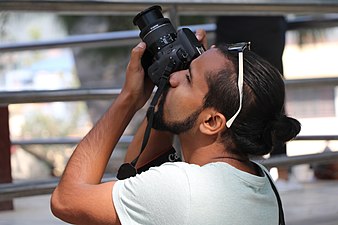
(137, 87)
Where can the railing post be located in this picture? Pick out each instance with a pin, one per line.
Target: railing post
(173, 15)
(5, 154)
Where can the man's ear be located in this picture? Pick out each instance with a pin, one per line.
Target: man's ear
(213, 123)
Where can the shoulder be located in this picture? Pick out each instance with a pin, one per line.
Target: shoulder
(166, 175)
(146, 192)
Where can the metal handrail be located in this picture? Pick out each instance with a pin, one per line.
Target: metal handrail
(82, 94)
(316, 137)
(130, 37)
(117, 38)
(15, 97)
(113, 39)
(27, 188)
(126, 139)
(280, 161)
(31, 188)
(330, 81)
(40, 187)
(184, 7)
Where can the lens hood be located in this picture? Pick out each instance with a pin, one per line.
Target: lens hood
(148, 16)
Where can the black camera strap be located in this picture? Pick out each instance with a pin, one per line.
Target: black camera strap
(279, 201)
(127, 170)
(150, 116)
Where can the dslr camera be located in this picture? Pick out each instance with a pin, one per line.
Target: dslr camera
(167, 50)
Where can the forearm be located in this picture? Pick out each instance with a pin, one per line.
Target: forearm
(91, 156)
(80, 198)
(158, 143)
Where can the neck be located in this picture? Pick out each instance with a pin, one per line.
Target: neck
(201, 151)
(232, 157)
(214, 152)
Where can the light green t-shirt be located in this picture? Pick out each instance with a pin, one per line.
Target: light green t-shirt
(186, 194)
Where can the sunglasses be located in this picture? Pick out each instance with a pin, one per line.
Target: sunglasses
(238, 47)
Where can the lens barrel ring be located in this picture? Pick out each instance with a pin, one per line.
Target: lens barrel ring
(148, 16)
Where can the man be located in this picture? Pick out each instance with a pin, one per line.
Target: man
(218, 126)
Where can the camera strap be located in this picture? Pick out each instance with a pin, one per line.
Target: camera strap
(279, 201)
(127, 170)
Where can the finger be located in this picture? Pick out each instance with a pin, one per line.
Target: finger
(136, 55)
(201, 35)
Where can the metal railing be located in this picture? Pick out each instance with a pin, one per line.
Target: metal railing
(130, 37)
(116, 38)
(83, 94)
(31, 188)
(124, 140)
(20, 97)
(184, 7)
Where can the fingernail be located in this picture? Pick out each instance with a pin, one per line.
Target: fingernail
(141, 45)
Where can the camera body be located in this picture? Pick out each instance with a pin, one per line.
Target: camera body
(167, 50)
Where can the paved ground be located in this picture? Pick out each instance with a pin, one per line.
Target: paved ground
(30, 211)
(315, 204)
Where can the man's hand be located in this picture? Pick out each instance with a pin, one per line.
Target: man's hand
(201, 35)
(137, 86)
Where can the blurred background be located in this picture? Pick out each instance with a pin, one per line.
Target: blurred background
(62, 65)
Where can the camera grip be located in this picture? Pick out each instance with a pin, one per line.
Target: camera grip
(146, 61)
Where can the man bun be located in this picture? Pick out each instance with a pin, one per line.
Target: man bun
(281, 130)
(286, 128)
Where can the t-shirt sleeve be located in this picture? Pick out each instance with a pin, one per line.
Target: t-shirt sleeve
(160, 195)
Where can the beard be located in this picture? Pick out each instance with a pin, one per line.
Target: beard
(176, 127)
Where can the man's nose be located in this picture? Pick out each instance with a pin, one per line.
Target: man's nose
(175, 78)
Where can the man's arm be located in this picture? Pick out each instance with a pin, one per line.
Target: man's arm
(80, 198)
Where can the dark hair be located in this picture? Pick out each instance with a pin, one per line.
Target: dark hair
(261, 124)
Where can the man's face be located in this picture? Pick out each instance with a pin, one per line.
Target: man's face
(175, 127)
(182, 102)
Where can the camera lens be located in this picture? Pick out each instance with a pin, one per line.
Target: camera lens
(156, 31)
(148, 16)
